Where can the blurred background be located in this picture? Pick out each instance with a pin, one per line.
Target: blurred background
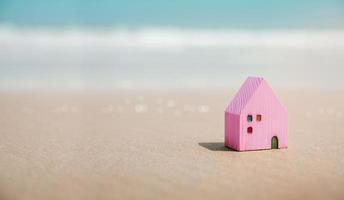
(161, 44)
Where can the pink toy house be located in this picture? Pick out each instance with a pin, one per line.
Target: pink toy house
(255, 119)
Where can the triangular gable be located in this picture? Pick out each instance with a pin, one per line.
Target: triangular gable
(244, 94)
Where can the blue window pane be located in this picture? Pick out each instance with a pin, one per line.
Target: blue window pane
(249, 118)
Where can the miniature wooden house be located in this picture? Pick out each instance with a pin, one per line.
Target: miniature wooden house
(255, 119)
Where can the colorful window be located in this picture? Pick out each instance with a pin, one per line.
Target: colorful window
(249, 130)
(259, 118)
(249, 118)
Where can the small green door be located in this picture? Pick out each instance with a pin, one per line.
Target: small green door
(274, 142)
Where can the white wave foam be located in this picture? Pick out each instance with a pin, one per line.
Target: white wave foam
(167, 58)
(152, 38)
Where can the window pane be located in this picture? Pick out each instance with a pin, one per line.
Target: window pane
(249, 118)
(259, 118)
(249, 130)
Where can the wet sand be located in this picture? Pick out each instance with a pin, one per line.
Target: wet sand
(163, 145)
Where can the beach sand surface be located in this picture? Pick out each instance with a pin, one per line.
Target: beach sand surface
(163, 145)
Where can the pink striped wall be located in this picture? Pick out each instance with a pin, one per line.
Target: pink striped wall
(232, 130)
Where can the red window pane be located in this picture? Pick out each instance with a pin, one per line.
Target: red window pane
(249, 130)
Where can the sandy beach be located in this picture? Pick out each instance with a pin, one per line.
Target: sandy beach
(163, 145)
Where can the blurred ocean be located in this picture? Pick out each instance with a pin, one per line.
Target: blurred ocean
(77, 45)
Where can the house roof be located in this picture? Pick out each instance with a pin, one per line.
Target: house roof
(244, 94)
